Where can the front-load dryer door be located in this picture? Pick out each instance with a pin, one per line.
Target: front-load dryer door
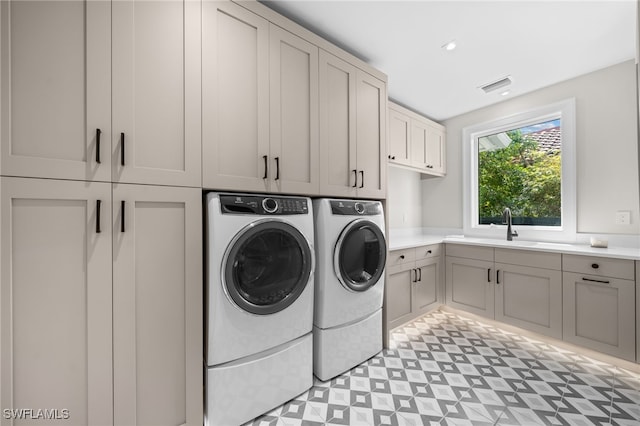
(360, 255)
(266, 267)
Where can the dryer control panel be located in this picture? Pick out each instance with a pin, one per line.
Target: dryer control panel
(263, 205)
(356, 208)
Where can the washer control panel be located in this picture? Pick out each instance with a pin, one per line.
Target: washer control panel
(356, 208)
(263, 205)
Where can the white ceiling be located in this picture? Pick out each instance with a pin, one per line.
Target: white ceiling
(537, 43)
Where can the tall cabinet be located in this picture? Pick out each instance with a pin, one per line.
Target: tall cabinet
(101, 291)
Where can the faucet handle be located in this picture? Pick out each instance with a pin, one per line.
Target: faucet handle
(514, 233)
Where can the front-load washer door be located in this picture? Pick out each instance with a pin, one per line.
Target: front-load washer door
(266, 267)
(360, 255)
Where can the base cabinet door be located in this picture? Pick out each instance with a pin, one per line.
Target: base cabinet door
(398, 294)
(426, 290)
(157, 305)
(599, 313)
(529, 298)
(469, 284)
(55, 300)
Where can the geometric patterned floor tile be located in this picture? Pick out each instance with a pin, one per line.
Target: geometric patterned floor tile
(444, 369)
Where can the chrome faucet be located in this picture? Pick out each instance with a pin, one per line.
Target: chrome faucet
(506, 220)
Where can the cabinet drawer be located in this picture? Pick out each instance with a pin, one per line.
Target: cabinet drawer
(534, 259)
(470, 252)
(426, 252)
(398, 257)
(600, 266)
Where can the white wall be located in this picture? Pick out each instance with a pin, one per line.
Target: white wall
(606, 151)
(404, 199)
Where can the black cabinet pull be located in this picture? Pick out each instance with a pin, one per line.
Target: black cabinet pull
(277, 168)
(498, 276)
(595, 281)
(595, 265)
(420, 279)
(122, 149)
(266, 167)
(428, 251)
(361, 179)
(402, 256)
(98, 208)
(122, 212)
(98, 133)
(489, 275)
(355, 178)
(415, 275)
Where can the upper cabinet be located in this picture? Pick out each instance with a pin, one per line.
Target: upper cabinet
(260, 104)
(352, 130)
(64, 70)
(55, 112)
(156, 92)
(416, 142)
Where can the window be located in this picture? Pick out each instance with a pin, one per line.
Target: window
(525, 162)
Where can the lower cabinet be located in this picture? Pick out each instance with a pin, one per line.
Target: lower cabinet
(517, 287)
(100, 319)
(599, 310)
(157, 305)
(414, 278)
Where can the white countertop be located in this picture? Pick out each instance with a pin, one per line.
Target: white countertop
(409, 241)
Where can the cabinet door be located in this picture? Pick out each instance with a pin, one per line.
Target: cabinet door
(530, 298)
(398, 294)
(156, 92)
(399, 137)
(293, 113)
(425, 292)
(337, 126)
(599, 313)
(469, 285)
(55, 295)
(419, 145)
(55, 81)
(435, 160)
(235, 98)
(371, 132)
(157, 305)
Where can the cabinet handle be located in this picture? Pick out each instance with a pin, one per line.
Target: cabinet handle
(393, 158)
(277, 168)
(266, 167)
(361, 179)
(498, 276)
(122, 149)
(415, 275)
(428, 251)
(98, 133)
(596, 281)
(489, 275)
(122, 204)
(402, 256)
(355, 178)
(595, 265)
(420, 279)
(98, 208)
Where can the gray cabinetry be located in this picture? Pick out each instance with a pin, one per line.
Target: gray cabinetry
(469, 279)
(599, 305)
(414, 283)
(529, 290)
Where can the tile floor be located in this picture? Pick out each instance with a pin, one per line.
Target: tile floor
(443, 369)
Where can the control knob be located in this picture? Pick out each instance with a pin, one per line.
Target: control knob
(269, 205)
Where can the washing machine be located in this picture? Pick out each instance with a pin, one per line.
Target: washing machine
(260, 263)
(351, 252)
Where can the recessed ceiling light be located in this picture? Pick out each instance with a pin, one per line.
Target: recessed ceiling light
(449, 46)
(505, 93)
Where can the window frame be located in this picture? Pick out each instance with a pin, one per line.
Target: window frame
(565, 111)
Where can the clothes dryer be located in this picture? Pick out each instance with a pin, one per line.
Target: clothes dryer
(260, 285)
(351, 253)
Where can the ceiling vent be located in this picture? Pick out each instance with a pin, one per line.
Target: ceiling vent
(496, 84)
